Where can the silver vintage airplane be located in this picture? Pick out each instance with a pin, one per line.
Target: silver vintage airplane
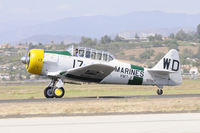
(90, 65)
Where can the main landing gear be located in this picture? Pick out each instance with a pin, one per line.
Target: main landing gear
(54, 89)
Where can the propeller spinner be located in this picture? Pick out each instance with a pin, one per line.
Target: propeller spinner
(25, 59)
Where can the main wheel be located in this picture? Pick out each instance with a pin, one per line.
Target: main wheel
(58, 92)
(48, 92)
(159, 91)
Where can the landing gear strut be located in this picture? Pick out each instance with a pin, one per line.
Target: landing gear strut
(54, 89)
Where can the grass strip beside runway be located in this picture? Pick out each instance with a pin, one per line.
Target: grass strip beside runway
(100, 106)
(33, 91)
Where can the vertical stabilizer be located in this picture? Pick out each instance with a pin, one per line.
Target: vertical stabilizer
(170, 64)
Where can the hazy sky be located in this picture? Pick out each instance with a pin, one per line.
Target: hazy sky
(45, 10)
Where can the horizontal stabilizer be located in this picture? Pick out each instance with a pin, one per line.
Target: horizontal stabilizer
(162, 72)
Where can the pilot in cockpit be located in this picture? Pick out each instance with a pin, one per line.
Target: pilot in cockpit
(76, 52)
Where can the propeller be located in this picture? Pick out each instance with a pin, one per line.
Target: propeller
(25, 59)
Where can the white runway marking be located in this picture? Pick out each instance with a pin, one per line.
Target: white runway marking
(148, 123)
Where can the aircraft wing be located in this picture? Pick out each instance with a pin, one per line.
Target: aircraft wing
(94, 72)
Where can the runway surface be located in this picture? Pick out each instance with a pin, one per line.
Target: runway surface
(148, 123)
(98, 98)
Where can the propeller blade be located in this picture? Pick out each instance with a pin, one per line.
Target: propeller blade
(26, 58)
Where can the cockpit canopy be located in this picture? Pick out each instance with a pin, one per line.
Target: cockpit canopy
(90, 53)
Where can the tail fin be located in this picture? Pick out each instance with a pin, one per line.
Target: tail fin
(170, 64)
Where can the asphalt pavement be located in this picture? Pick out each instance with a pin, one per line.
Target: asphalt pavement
(142, 123)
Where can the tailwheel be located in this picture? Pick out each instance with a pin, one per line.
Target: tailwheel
(58, 92)
(159, 91)
(48, 93)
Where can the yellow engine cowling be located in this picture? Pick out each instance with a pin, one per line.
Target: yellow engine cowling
(35, 61)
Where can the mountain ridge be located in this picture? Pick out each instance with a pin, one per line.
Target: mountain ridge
(97, 26)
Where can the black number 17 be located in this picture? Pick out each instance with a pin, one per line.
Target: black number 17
(79, 61)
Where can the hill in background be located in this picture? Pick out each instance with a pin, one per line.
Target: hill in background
(97, 26)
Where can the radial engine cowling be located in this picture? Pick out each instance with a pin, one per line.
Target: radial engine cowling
(35, 63)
